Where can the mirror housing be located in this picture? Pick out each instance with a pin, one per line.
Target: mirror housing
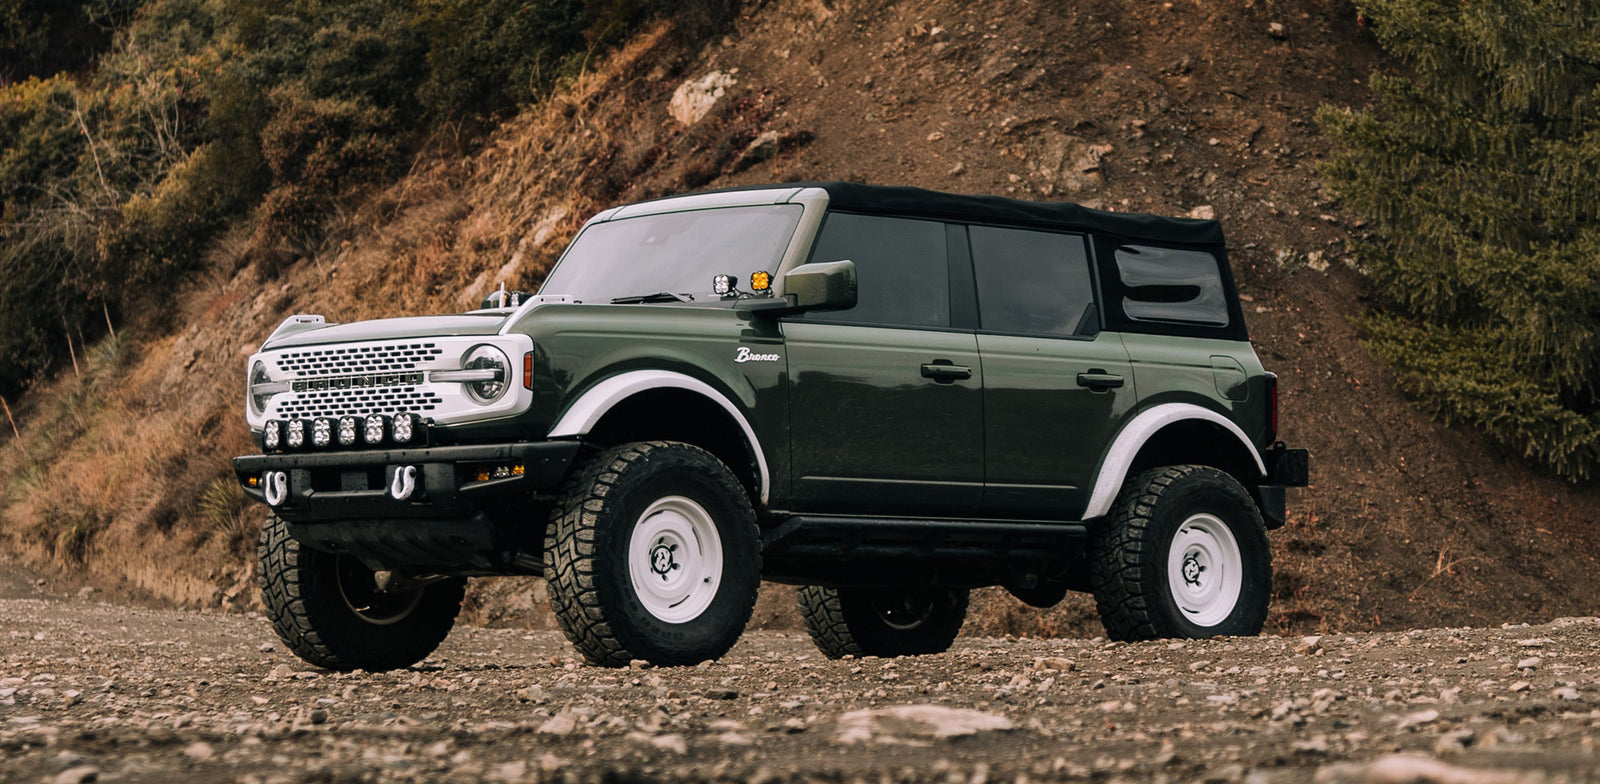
(823, 285)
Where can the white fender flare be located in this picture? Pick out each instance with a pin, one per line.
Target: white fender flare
(1114, 469)
(587, 410)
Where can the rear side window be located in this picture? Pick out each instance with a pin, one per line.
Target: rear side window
(902, 269)
(1032, 282)
(1168, 285)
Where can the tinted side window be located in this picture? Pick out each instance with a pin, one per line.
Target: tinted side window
(902, 270)
(1031, 281)
(1162, 284)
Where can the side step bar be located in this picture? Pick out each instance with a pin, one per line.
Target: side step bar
(806, 548)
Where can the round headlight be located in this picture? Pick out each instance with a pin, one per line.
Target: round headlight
(491, 359)
(259, 393)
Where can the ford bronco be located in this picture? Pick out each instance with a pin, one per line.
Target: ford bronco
(886, 396)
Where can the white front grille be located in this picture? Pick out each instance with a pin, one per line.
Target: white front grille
(384, 377)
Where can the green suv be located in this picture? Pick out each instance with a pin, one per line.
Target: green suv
(887, 396)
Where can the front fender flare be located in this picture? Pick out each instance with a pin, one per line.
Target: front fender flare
(592, 405)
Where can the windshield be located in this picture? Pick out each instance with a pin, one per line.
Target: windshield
(673, 256)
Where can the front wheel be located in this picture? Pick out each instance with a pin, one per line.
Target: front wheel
(890, 621)
(1184, 555)
(653, 554)
(328, 610)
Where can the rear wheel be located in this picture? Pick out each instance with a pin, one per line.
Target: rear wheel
(889, 621)
(653, 554)
(1184, 554)
(328, 610)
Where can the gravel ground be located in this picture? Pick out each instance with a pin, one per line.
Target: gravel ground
(91, 691)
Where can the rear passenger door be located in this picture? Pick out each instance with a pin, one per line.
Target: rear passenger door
(1056, 387)
(885, 398)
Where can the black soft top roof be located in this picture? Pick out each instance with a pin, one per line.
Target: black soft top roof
(918, 202)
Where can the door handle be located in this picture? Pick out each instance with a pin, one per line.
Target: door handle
(943, 371)
(1097, 379)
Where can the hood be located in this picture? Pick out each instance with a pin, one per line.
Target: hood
(382, 329)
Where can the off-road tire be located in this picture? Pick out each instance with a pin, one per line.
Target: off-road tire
(849, 621)
(1129, 555)
(587, 545)
(307, 603)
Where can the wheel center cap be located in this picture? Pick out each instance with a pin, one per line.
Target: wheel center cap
(662, 560)
(1192, 569)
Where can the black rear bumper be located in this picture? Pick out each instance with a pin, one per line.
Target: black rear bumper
(332, 486)
(1286, 468)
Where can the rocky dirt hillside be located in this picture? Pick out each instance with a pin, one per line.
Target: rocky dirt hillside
(1174, 108)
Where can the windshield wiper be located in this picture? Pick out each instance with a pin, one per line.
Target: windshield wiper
(660, 296)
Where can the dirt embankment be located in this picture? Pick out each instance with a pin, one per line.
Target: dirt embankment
(1180, 108)
(91, 691)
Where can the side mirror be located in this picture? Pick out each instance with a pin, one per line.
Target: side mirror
(824, 285)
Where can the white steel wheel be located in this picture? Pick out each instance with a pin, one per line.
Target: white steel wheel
(1205, 570)
(675, 559)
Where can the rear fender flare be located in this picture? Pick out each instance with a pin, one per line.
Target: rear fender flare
(1132, 437)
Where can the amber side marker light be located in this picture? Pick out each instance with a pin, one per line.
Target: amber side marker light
(527, 370)
(253, 481)
(485, 473)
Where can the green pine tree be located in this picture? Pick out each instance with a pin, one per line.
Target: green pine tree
(1479, 171)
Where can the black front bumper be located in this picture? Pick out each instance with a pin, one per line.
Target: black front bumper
(330, 486)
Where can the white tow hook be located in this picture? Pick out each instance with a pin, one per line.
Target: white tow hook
(275, 485)
(404, 483)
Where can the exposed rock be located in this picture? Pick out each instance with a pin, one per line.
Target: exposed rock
(562, 723)
(1046, 663)
(1420, 717)
(768, 144)
(1307, 645)
(892, 724)
(1408, 769)
(693, 99)
(77, 774)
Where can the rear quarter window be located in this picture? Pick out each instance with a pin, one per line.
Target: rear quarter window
(1154, 289)
(1163, 284)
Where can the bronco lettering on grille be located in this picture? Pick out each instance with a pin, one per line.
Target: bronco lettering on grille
(360, 381)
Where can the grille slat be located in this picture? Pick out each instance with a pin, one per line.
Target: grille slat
(377, 358)
(346, 402)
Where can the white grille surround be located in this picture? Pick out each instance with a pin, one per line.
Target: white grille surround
(385, 377)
